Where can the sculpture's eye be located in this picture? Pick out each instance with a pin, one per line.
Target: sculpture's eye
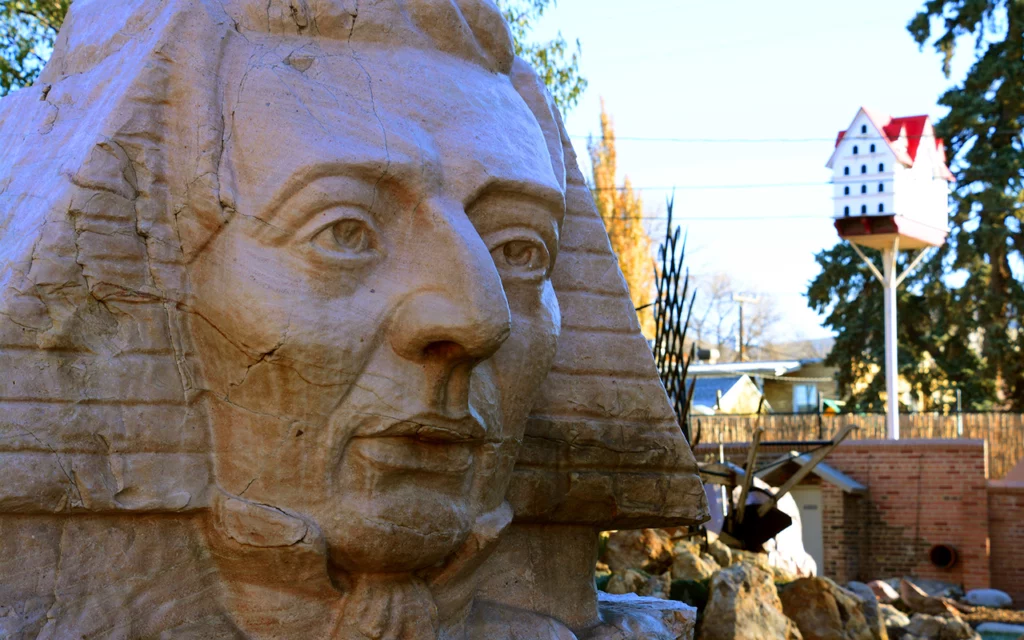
(522, 258)
(349, 239)
(352, 235)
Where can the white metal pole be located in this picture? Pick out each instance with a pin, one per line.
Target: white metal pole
(889, 285)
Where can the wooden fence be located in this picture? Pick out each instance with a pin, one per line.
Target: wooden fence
(1004, 432)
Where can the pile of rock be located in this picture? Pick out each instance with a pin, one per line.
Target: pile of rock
(741, 597)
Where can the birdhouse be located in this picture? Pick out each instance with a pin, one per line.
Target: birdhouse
(891, 182)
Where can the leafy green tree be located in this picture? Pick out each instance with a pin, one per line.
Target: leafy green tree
(27, 31)
(557, 63)
(960, 312)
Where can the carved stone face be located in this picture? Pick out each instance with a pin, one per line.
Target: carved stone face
(375, 318)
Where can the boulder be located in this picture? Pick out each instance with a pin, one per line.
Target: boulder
(937, 628)
(918, 601)
(991, 598)
(648, 550)
(710, 561)
(1001, 629)
(871, 612)
(689, 565)
(893, 619)
(743, 604)
(752, 558)
(825, 611)
(884, 592)
(720, 552)
(630, 616)
(639, 583)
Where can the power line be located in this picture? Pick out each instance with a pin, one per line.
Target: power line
(712, 140)
(729, 218)
(711, 187)
(771, 140)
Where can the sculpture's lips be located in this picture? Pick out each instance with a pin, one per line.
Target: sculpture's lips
(404, 454)
(428, 427)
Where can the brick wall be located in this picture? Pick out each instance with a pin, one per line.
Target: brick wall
(919, 493)
(1006, 529)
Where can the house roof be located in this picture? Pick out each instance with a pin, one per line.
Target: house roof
(705, 392)
(904, 136)
(768, 368)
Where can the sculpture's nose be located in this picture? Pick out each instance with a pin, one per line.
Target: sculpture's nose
(456, 317)
(438, 326)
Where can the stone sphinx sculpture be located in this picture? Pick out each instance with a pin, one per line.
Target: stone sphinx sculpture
(309, 329)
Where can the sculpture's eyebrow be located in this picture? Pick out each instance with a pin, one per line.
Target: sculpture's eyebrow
(548, 197)
(369, 172)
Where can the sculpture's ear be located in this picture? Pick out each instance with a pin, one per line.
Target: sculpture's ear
(602, 446)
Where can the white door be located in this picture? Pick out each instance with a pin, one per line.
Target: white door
(808, 498)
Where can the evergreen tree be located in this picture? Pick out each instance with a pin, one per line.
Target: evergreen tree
(621, 210)
(983, 129)
(960, 311)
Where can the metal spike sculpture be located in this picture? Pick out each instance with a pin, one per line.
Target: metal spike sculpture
(673, 308)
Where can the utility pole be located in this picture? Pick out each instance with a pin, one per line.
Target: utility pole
(742, 298)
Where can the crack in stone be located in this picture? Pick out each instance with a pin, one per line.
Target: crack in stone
(373, 107)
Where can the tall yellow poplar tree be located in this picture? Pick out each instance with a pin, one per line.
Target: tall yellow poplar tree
(621, 210)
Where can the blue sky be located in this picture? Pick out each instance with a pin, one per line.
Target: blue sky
(743, 69)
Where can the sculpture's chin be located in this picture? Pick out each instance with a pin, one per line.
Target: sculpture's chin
(403, 528)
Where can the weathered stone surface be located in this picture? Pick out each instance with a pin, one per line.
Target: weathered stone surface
(286, 348)
(648, 550)
(744, 605)
(939, 628)
(876, 623)
(825, 611)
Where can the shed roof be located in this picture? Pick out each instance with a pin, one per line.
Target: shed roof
(777, 475)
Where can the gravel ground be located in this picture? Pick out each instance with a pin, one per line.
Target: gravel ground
(977, 615)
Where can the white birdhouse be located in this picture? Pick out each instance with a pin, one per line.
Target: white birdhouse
(891, 182)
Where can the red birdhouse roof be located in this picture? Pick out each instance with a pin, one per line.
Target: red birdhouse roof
(905, 135)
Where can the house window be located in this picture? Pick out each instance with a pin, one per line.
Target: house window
(881, 208)
(846, 191)
(846, 171)
(805, 398)
(863, 208)
(863, 128)
(855, 149)
(846, 211)
(881, 167)
(881, 187)
(863, 188)
(863, 168)
(872, 148)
